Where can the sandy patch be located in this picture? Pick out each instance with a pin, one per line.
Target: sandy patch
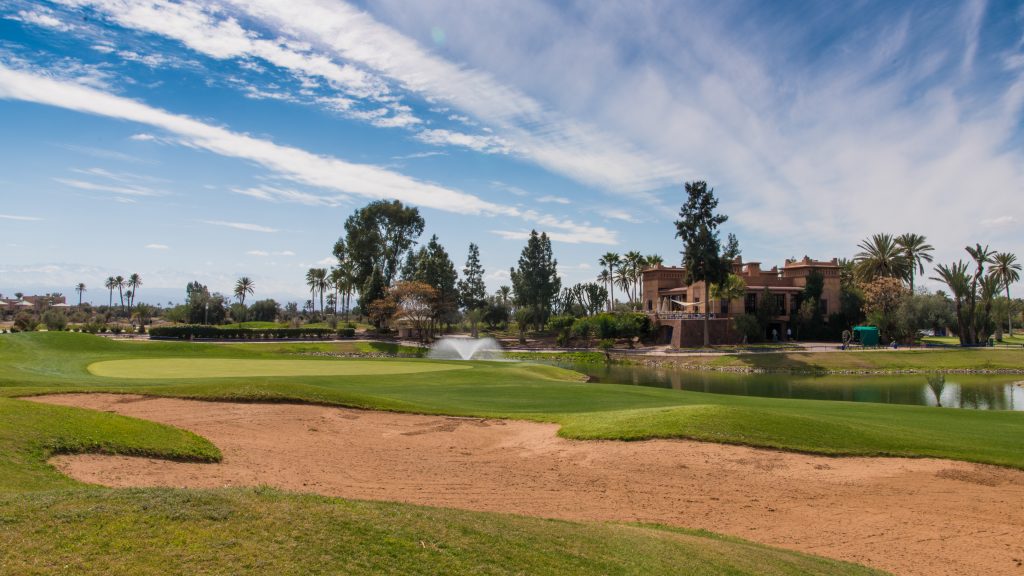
(921, 517)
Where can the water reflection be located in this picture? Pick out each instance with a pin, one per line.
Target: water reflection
(972, 391)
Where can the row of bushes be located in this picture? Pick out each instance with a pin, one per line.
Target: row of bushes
(191, 331)
(605, 326)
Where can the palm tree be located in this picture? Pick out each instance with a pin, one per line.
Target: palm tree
(134, 281)
(635, 265)
(917, 251)
(81, 288)
(311, 283)
(981, 256)
(956, 279)
(347, 273)
(733, 288)
(110, 284)
(243, 287)
(322, 283)
(880, 256)
(120, 283)
(1006, 269)
(610, 261)
(504, 294)
(654, 260)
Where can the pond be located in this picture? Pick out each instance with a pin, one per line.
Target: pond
(972, 391)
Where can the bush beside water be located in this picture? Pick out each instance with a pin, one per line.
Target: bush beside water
(192, 331)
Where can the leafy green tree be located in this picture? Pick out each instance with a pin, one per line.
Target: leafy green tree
(535, 281)
(434, 268)
(697, 227)
(880, 255)
(916, 251)
(379, 235)
(1006, 270)
(374, 290)
(264, 310)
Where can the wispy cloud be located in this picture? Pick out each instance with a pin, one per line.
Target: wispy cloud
(266, 253)
(275, 194)
(287, 162)
(618, 214)
(157, 247)
(362, 57)
(553, 200)
(19, 218)
(42, 16)
(127, 190)
(241, 226)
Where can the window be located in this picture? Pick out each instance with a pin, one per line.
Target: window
(750, 303)
(823, 306)
(724, 307)
(650, 305)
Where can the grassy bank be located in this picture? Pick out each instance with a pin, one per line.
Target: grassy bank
(262, 531)
(954, 359)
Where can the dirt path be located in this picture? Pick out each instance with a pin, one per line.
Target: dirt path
(922, 517)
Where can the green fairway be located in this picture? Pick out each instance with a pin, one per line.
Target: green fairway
(41, 362)
(234, 368)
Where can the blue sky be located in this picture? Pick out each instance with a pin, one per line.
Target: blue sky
(210, 140)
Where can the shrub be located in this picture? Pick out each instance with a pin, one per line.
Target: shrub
(24, 322)
(190, 331)
(748, 326)
(55, 321)
(116, 329)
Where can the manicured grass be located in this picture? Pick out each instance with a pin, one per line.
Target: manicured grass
(263, 531)
(880, 360)
(30, 433)
(41, 363)
(192, 368)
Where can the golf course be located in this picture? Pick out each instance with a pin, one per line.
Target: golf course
(58, 524)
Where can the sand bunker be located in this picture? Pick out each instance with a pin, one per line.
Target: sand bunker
(236, 368)
(908, 516)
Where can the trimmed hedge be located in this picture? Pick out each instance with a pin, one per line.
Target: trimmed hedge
(192, 331)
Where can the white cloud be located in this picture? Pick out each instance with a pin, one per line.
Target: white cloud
(287, 162)
(553, 199)
(524, 126)
(617, 214)
(477, 142)
(241, 226)
(998, 221)
(142, 137)
(126, 190)
(266, 253)
(19, 218)
(158, 247)
(275, 194)
(41, 17)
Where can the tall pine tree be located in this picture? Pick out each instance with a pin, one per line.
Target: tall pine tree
(702, 251)
(472, 290)
(535, 281)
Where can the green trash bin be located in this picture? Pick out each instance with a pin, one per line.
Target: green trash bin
(866, 335)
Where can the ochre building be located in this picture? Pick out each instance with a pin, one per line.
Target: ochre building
(677, 308)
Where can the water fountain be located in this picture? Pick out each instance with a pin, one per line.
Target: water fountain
(461, 348)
